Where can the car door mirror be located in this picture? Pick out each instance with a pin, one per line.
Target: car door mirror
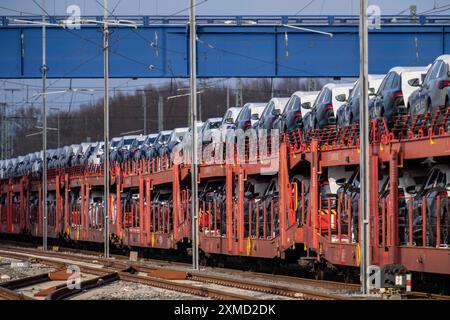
(306, 105)
(372, 92)
(340, 182)
(414, 82)
(341, 97)
(255, 116)
(276, 112)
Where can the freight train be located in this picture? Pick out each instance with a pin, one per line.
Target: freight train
(289, 198)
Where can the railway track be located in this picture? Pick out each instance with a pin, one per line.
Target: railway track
(126, 271)
(7, 294)
(424, 295)
(148, 264)
(272, 285)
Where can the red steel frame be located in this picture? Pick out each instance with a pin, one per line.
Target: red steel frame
(322, 229)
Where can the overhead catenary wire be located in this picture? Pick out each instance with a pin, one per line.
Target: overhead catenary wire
(434, 9)
(304, 7)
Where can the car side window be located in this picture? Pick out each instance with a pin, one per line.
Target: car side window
(324, 96)
(296, 103)
(390, 81)
(395, 84)
(289, 104)
(440, 181)
(432, 73)
(436, 70)
(268, 110)
(355, 91)
(442, 70)
(430, 182)
(245, 114)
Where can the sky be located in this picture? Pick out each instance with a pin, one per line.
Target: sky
(222, 7)
(171, 7)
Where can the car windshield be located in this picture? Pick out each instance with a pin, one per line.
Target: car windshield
(180, 134)
(136, 143)
(164, 138)
(128, 141)
(214, 125)
(115, 143)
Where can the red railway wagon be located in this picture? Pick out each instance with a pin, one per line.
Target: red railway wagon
(294, 219)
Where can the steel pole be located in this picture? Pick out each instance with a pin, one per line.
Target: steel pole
(364, 147)
(106, 128)
(160, 114)
(193, 111)
(44, 131)
(144, 106)
(59, 130)
(228, 94)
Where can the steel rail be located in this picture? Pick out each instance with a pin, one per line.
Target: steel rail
(267, 288)
(8, 294)
(424, 295)
(142, 266)
(126, 276)
(63, 291)
(25, 282)
(122, 265)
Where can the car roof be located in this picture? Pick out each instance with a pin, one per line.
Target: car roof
(401, 70)
(184, 129)
(215, 119)
(130, 137)
(305, 93)
(279, 101)
(234, 109)
(141, 137)
(444, 57)
(255, 104)
(339, 85)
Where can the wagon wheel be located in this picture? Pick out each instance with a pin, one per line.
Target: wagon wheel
(348, 276)
(319, 274)
(319, 270)
(203, 261)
